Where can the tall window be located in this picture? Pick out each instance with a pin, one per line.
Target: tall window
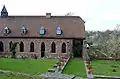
(10, 44)
(32, 47)
(42, 49)
(53, 47)
(1, 46)
(21, 47)
(42, 46)
(63, 48)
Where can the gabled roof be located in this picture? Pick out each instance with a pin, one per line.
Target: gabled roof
(71, 26)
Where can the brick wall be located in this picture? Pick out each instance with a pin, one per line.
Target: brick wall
(37, 46)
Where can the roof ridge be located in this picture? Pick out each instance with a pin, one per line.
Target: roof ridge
(45, 16)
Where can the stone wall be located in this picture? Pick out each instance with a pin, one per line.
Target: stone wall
(37, 46)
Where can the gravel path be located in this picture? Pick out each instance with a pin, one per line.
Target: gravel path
(50, 75)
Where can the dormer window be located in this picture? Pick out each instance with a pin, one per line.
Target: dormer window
(42, 30)
(23, 30)
(58, 31)
(6, 30)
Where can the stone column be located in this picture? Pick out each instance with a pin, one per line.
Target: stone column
(47, 48)
(69, 46)
(17, 48)
(58, 48)
(26, 45)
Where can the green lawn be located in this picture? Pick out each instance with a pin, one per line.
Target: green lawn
(105, 67)
(75, 67)
(8, 76)
(30, 66)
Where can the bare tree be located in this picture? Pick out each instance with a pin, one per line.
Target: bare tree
(69, 14)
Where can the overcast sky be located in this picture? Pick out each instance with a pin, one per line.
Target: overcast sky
(98, 14)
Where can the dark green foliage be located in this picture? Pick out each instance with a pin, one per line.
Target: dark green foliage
(114, 70)
(12, 49)
(77, 48)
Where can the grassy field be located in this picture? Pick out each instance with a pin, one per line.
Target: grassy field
(8, 76)
(105, 67)
(30, 66)
(75, 67)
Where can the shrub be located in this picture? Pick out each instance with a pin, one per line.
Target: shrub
(114, 70)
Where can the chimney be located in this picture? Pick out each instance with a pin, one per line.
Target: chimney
(48, 15)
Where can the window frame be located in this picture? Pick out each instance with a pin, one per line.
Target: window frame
(23, 30)
(58, 31)
(53, 47)
(6, 30)
(42, 31)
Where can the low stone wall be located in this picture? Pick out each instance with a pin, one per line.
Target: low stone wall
(57, 55)
(5, 54)
(21, 55)
(107, 58)
(65, 65)
(27, 55)
(108, 77)
(34, 54)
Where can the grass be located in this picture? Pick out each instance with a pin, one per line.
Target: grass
(8, 76)
(75, 67)
(29, 66)
(105, 67)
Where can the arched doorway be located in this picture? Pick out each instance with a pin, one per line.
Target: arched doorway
(1, 46)
(21, 47)
(42, 49)
(53, 47)
(63, 48)
(32, 47)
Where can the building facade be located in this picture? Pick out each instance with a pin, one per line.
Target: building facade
(43, 36)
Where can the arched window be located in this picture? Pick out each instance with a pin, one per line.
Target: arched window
(21, 47)
(1, 46)
(42, 46)
(63, 48)
(10, 44)
(42, 30)
(58, 31)
(31, 47)
(42, 49)
(53, 47)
